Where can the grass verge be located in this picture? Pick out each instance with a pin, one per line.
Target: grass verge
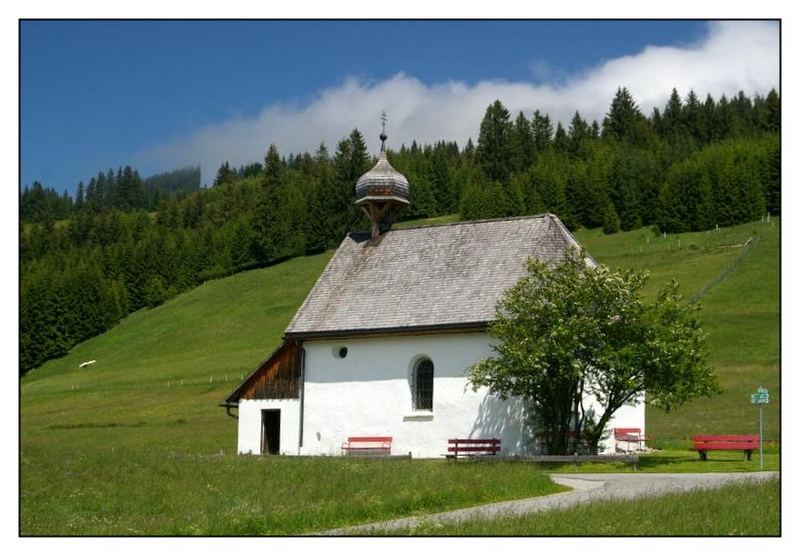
(742, 509)
(677, 460)
(134, 492)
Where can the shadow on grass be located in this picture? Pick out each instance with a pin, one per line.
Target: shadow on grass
(673, 461)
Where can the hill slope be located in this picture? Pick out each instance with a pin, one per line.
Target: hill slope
(740, 313)
(161, 372)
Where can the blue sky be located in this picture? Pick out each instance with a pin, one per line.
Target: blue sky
(159, 95)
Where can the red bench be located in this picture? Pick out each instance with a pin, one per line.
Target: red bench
(745, 442)
(472, 447)
(630, 436)
(367, 446)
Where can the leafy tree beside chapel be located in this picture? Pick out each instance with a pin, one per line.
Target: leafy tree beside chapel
(577, 331)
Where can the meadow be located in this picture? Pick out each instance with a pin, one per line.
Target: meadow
(136, 443)
(740, 310)
(743, 509)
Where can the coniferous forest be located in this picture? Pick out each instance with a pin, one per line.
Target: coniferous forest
(124, 243)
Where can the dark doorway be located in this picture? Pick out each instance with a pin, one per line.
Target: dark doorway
(270, 431)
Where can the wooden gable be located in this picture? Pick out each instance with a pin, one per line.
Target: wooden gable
(276, 378)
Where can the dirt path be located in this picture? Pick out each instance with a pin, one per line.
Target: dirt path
(586, 487)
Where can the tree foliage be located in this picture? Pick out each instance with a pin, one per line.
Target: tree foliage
(574, 332)
(689, 166)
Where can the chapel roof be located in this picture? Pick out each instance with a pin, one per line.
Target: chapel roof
(436, 277)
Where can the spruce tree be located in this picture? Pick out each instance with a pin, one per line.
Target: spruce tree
(773, 111)
(441, 179)
(271, 225)
(521, 144)
(79, 197)
(225, 174)
(624, 120)
(542, 131)
(579, 133)
(611, 224)
(560, 140)
(710, 131)
(672, 121)
(693, 117)
(493, 152)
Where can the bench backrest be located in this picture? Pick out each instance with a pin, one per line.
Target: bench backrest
(627, 432)
(370, 439)
(473, 445)
(712, 438)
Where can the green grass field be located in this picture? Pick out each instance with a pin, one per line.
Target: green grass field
(741, 315)
(732, 510)
(130, 491)
(106, 446)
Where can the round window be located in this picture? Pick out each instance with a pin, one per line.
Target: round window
(340, 352)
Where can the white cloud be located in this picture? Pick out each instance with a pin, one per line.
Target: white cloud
(732, 56)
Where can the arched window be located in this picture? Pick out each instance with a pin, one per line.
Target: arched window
(422, 386)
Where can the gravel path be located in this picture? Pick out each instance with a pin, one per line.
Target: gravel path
(586, 487)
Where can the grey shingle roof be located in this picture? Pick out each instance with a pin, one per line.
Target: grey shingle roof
(436, 276)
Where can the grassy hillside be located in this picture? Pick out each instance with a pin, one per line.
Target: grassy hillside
(147, 410)
(160, 373)
(173, 363)
(741, 314)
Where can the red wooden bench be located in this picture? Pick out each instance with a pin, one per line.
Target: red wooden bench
(705, 442)
(629, 436)
(472, 447)
(367, 445)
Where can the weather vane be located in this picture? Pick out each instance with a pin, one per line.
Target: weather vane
(384, 119)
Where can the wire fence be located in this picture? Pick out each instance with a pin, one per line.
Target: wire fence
(89, 384)
(746, 248)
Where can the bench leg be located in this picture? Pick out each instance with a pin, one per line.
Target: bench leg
(748, 455)
(703, 455)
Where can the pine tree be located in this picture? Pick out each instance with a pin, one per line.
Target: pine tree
(155, 294)
(625, 191)
(548, 179)
(595, 132)
(672, 121)
(469, 149)
(579, 133)
(493, 152)
(542, 131)
(611, 222)
(79, 197)
(560, 140)
(624, 120)
(521, 144)
(271, 225)
(693, 117)
(744, 112)
(320, 233)
(225, 174)
(441, 179)
(773, 111)
(350, 162)
(710, 131)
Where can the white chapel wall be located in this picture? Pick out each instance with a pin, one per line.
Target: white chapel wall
(249, 423)
(368, 393)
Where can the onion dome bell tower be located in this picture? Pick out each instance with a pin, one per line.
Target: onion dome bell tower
(383, 191)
